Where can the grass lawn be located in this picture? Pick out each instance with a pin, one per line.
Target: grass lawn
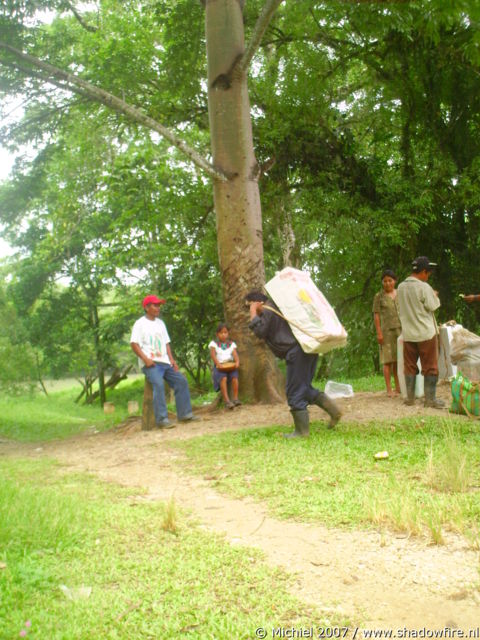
(429, 483)
(81, 559)
(35, 417)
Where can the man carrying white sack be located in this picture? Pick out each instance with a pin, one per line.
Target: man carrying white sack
(301, 366)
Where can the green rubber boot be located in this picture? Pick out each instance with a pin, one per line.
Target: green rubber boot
(328, 405)
(430, 383)
(301, 420)
(410, 384)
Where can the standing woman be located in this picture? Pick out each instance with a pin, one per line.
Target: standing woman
(388, 327)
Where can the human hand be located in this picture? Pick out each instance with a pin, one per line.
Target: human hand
(149, 362)
(470, 298)
(380, 339)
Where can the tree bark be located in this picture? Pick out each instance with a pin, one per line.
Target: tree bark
(237, 200)
(39, 375)
(98, 355)
(116, 377)
(148, 417)
(263, 21)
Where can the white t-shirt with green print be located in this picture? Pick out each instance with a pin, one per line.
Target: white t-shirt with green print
(152, 336)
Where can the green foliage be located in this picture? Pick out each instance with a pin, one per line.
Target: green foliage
(17, 372)
(366, 125)
(370, 158)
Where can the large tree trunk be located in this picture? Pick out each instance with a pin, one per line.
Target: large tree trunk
(237, 200)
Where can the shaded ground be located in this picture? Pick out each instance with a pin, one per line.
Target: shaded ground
(383, 579)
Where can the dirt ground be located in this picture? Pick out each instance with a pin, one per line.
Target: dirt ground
(382, 580)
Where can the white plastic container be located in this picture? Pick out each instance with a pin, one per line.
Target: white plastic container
(401, 376)
(338, 390)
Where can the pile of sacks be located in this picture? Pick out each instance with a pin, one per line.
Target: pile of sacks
(460, 351)
(465, 352)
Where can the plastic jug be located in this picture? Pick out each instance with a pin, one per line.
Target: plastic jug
(338, 390)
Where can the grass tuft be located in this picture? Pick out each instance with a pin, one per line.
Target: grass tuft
(394, 507)
(170, 520)
(448, 468)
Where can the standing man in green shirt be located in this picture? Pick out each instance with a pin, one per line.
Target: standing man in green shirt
(417, 302)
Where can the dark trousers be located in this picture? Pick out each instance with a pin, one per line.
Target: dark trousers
(427, 351)
(301, 368)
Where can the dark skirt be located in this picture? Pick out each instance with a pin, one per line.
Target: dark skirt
(217, 376)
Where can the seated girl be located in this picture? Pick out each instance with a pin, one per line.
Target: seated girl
(226, 364)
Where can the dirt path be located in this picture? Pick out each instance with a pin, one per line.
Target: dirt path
(384, 580)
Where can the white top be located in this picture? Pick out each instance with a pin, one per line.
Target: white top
(152, 337)
(223, 351)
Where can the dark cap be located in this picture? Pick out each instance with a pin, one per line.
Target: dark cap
(151, 300)
(422, 263)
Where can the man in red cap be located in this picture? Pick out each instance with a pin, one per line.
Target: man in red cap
(151, 343)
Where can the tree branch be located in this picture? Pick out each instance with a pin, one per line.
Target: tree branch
(79, 18)
(74, 83)
(260, 27)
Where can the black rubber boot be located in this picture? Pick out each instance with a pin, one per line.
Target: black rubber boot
(301, 420)
(410, 384)
(328, 405)
(430, 384)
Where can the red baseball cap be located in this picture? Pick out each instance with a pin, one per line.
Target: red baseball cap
(152, 300)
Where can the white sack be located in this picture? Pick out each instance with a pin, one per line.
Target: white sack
(303, 305)
(465, 352)
(446, 369)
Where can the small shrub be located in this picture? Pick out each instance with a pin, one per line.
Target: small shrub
(170, 521)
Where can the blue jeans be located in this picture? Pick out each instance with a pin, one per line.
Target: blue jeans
(177, 381)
